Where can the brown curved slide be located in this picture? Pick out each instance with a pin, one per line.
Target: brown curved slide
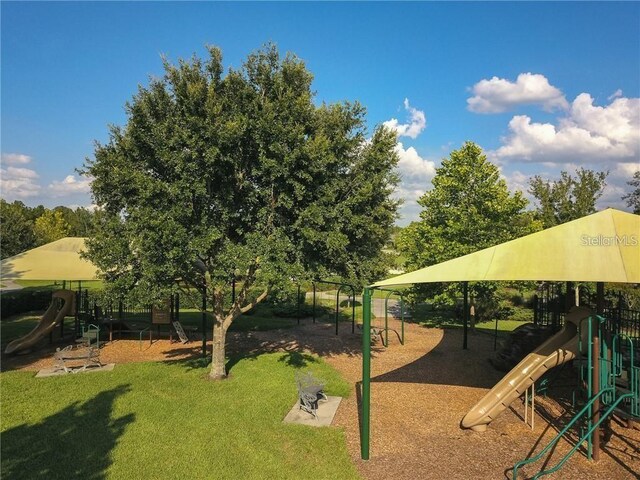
(51, 318)
(559, 349)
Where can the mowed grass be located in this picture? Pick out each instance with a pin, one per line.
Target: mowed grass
(165, 421)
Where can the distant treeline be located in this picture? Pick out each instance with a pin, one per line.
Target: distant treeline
(26, 227)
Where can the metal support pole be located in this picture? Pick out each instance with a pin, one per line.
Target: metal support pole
(314, 302)
(596, 370)
(386, 319)
(366, 373)
(204, 322)
(465, 313)
(298, 305)
(495, 336)
(353, 310)
(337, 306)
(402, 316)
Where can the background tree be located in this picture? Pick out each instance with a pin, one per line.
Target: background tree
(50, 226)
(17, 228)
(633, 198)
(240, 175)
(469, 208)
(569, 197)
(80, 220)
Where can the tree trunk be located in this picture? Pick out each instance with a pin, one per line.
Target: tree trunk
(218, 362)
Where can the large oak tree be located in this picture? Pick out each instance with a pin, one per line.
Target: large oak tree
(239, 175)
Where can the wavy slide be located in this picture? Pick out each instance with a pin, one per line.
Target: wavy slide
(51, 318)
(559, 349)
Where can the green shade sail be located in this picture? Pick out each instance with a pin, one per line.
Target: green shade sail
(59, 260)
(603, 247)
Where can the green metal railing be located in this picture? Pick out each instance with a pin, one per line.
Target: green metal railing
(612, 364)
(385, 340)
(583, 437)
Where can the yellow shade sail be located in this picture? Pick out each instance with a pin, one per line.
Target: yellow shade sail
(59, 260)
(603, 247)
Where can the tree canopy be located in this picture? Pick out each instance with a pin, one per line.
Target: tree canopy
(633, 198)
(568, 198)
(240, 175)
(50, 226)
(469, 208)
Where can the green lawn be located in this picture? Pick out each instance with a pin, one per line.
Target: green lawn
(446, 319)
(164, 421)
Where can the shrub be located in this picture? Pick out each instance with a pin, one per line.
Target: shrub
(21, 301)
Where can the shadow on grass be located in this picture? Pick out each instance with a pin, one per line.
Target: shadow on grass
(297, 359)
(74, 443)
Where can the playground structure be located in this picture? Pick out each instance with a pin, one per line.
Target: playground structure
(609, 369)
(559, 349)
(63, 303)
(609, 375)
(382, 308)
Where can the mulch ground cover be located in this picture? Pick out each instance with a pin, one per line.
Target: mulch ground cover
(419, 394)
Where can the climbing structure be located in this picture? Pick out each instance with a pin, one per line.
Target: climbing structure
(609, 366)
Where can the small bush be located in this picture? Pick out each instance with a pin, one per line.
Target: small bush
(288, 310)
(21, 301)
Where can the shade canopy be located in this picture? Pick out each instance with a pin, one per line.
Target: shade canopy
(603, 247)
(59, 260)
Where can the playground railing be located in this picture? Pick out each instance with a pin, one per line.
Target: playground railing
(584, 436)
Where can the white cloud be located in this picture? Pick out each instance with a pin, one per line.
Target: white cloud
(17, 172)
(15, 158)
(588, 134)
(616, 94)
(413, 166)
(416, 174)
(18, 183)
(517, 181)
(417, 122)
(69, 186)
(499, 95)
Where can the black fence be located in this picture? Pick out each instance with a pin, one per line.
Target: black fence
(550, 305)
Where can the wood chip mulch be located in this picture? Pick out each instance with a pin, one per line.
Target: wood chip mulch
(419, 394)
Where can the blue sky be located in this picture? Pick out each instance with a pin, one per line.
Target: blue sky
(541, 87)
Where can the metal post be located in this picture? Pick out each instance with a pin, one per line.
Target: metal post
(595, 358)
(353, 310)
(177, 306)
(366, 373)
(337, 306)
(402, 316)
(314, 302)
(204, 322)
(495, 336)
(298, 305)
(386, 319)
(465, 312)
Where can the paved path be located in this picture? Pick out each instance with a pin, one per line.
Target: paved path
(377, 303)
